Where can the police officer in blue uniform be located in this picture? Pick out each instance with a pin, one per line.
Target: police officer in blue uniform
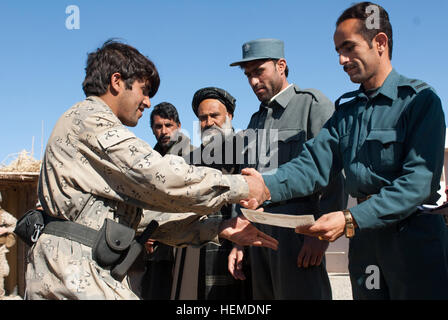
(389, 139)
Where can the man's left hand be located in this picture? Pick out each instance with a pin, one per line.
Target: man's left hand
(149, 245)
(312, 252)
(329, 227)
(240, 231)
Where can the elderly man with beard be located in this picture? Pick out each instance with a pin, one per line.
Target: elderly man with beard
(214, 108)
(205, 269)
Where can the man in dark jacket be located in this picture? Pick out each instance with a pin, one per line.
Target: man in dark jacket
(157, 280)
(214, 108)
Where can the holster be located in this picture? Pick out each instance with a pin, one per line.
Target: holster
(114, 246)
(112, 243)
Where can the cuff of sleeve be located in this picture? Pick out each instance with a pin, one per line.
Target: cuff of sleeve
(209, 230)
(239, 189)
(362, 214)
(273, 184)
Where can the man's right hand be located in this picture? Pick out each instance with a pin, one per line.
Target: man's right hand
(235, 263)
(149, 245)
(258, 192)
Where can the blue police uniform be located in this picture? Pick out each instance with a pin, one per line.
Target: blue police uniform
(390, 144)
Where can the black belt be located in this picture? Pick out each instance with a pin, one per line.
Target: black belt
(361, 200)
(400, 223)
(100, 241)
(70, 230)
(113, 246)
(313, 197)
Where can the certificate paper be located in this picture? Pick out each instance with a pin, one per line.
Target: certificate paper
(277, 219)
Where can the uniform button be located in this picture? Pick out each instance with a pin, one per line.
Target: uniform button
(117, 242)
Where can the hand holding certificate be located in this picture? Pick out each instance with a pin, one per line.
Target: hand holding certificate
(277, 219)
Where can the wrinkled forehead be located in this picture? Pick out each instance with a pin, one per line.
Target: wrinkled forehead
(211, 106)
(250, 66)
(348, 31)
(158, 120)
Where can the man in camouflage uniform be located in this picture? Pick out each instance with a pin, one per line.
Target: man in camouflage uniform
(7, 240)
(95, 168)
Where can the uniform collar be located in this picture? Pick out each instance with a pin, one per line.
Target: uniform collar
(99, 101)
(388, 89)
(283, 97)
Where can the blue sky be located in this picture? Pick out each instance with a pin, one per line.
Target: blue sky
(192, 43)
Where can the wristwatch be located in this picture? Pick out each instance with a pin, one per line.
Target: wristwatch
(349, 229)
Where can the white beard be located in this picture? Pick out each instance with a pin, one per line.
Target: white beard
(225, 131)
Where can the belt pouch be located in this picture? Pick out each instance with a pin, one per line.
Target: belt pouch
(29, 226)
(112, 243)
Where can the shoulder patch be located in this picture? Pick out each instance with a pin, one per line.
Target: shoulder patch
(348, 95)
(415, 84)
(113, 136)
(314, 92)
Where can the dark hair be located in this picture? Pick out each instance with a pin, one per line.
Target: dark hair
(113, 57)
(165, 110)
(359, 11)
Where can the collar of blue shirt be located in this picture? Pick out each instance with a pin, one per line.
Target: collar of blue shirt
(389, 88)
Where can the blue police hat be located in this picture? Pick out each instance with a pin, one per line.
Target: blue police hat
(261, 49)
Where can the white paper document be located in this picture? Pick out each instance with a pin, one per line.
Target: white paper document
(433, 209)
(277, 219)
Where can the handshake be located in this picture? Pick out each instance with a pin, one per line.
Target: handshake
(258, 192)
(239, 230)
(328, 227)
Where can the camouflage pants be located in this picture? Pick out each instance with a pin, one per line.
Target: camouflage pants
(59, 268)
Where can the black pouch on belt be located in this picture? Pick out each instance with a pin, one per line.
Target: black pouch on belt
(30, 226)
(112, 243)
